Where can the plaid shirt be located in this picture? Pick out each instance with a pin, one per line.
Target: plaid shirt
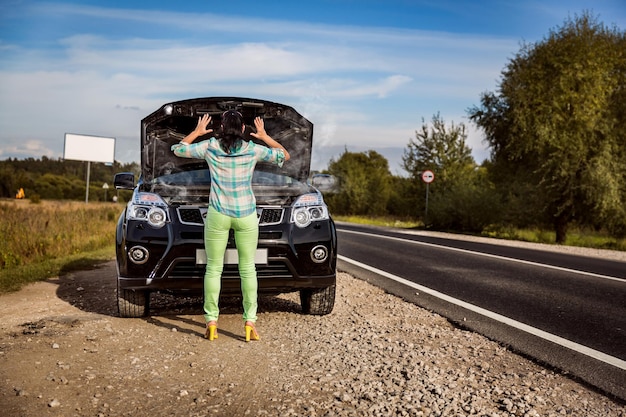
(231, 174)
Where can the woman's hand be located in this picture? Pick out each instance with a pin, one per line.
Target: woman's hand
(262, 135)
(203, 122)
(201, 129)
(260, 129)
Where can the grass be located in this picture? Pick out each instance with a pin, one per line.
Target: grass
(43, 240)
(14, 279)
(575, 237)
(381, 221)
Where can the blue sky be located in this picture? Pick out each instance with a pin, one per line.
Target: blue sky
(365, 72)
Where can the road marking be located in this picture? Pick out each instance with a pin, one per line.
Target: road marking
(611, 360)
(488, 255)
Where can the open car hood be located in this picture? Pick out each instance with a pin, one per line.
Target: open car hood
(173, 121)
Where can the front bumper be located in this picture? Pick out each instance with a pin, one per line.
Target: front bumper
(171, 264)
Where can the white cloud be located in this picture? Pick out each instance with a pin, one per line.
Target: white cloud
(342, 78)
(26, 149)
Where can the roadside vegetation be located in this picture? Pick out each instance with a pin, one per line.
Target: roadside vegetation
(42, 240)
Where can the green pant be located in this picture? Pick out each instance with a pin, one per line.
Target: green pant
(216, 229)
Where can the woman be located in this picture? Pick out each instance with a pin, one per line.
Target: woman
(232, 205)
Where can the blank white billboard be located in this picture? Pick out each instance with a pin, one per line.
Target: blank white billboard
(89, 148)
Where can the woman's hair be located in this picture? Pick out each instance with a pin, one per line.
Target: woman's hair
(231, 134)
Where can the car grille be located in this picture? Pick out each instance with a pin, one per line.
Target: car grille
(190, 216)
(191, 270)
(269, 216)
(195, 215)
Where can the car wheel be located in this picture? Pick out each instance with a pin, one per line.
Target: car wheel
(318, 301)
(132, 303)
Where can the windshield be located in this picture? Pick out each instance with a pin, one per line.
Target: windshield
(193, 187)
(202, 177)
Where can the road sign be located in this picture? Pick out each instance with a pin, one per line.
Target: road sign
(428, 176)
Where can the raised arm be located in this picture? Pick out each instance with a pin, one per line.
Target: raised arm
(262, 135)
(201, 129)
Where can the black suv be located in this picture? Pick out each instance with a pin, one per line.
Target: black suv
(159, 238)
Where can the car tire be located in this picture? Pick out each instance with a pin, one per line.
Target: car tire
(132, 303)
(318, 301)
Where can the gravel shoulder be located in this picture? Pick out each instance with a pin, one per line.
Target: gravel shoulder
(64, 352)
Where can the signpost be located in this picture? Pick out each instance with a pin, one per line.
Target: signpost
(105, 187)
(427, 176)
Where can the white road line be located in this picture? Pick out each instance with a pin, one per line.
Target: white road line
(488, 255)
(611, 360)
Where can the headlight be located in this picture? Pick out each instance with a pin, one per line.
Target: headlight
(140, 212)
(148, 207)
(157, 217)
(309, 208)
(316, 213)
(301, 217)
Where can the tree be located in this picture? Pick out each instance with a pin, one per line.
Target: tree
(556, 124)
(57, 179)
(439, 149)
(461, 198)
(364, 183)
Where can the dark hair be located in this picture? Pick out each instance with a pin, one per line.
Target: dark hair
(231, 134)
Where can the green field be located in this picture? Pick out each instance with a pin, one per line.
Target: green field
(39, 241)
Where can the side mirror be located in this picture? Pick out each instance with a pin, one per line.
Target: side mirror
(124, 181)
(324, 183)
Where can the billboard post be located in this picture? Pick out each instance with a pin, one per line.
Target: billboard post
(90, 149)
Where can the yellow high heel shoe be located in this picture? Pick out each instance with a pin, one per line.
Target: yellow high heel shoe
(251, 333)
(211, 330)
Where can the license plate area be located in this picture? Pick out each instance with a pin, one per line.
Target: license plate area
(231, 257)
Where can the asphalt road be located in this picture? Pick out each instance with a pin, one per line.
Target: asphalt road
(565, 311)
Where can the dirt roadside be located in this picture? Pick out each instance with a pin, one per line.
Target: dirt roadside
(64, 352)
